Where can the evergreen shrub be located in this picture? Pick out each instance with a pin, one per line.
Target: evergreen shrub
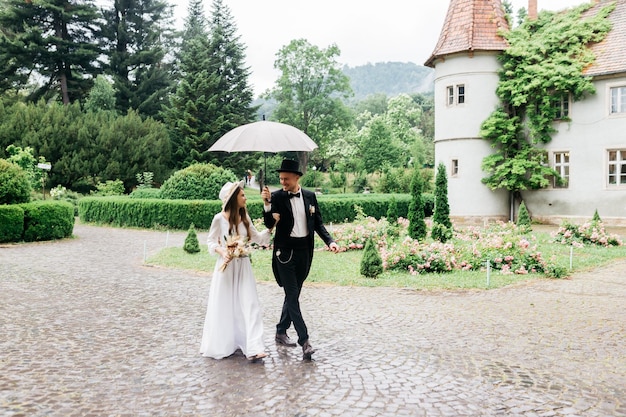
(197, 182)
(191, 241)
(47, 220)
(371, 262)
(11, 223)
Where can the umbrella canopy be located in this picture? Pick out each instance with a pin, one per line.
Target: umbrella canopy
(264, 136)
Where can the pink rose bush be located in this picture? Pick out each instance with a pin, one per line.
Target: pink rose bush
(590, 233)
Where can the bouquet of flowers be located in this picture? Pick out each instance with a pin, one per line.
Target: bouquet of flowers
(237, 247)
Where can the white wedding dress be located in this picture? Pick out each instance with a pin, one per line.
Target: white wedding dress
(234, 318)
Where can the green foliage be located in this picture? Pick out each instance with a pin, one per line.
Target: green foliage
(523, 219)
(60, 193)
(47, 220)
(26, 160)
(360, 181)
(87, 147)
(417, 224)
(441, 233)
(191, 241)
(11, 223)
(136, 37)
(101, 97)
(146, 193)
(543, 64)
(14, 184)
(197, 182)
(145, 179)
(394, 180)
(371, 263)
(115, 187)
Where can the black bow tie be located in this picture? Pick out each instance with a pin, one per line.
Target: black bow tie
(291, 195)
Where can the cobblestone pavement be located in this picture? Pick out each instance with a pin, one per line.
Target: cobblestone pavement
(89, 330)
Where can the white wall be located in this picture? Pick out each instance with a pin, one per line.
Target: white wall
(588, 137)
(457, 133)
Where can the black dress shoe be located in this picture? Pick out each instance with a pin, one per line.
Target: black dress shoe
(283, 339)
(307, 351)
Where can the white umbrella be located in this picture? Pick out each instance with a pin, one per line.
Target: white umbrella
(264, 136)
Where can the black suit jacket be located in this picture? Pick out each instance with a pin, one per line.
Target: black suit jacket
(281, 204)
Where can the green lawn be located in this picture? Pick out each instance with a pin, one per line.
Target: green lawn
(343, 268)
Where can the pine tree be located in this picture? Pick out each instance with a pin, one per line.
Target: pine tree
(417, 225)
(137, 35)
(191, 241)
(52, 39)
(371, 262)
(213, 95)
(442, 225)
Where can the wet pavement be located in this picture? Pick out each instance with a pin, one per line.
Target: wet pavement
(88, 330)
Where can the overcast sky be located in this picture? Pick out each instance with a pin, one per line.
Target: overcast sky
(366, 31)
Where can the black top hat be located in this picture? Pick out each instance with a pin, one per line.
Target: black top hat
(289, 165)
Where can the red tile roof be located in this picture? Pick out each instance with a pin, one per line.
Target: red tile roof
(611, 51)
(471, 25)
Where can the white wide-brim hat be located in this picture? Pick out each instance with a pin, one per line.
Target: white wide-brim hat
(228, 189)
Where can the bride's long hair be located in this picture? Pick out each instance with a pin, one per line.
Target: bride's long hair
(236, 213)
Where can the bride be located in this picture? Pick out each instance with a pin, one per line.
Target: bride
(234, 318)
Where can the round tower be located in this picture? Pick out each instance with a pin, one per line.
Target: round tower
(466, 78)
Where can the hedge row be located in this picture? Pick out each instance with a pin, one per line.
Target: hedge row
(36, 221)
(180, 214)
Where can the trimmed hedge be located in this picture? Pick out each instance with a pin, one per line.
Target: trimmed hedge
(11, 223)
(47, 220)
(36, 221)
(180, 214)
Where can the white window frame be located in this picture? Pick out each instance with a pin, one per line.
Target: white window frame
(454, 167)
(617, 99)
(456, 94)
(616, 168)
(561, 164)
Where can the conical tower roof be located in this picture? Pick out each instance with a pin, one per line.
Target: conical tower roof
(471, 25)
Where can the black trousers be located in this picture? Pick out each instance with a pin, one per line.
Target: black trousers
(292, 267)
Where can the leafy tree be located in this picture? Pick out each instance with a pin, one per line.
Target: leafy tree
(25, 159)
(14, 184)
(309, 92)
(543, 64)
(52, 41)
(136, 36)
(101, 96)
(378, 147)
(417, 225)
(191, 241)
(371, 262)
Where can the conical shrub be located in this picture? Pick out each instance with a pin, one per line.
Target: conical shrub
(191, 241)
(371, 263)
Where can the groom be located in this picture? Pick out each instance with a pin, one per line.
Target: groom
(296, 215)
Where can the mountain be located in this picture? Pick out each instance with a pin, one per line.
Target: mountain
(390, 78)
